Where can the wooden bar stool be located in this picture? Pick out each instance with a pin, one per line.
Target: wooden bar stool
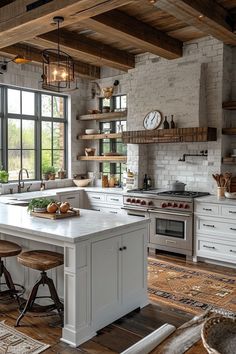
(9, 249)
(41, 260)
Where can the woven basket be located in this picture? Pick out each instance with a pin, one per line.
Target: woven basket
(219, 335)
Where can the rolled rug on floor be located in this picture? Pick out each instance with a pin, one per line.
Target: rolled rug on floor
(148, 343)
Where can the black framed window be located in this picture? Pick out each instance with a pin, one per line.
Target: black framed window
(116, 103)
(33, 129)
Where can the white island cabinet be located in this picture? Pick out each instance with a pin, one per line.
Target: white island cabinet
(215, 229)
(105, 271)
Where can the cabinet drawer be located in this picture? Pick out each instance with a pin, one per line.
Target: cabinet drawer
(114, 199)
(228, 211)
(96, 197)
(207, 209)
(217, 250)
(210, 226)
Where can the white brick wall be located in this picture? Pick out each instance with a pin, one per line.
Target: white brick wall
(191, 88)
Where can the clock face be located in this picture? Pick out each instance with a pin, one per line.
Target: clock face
(152, 120)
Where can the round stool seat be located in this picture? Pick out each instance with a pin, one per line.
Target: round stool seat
(9, 249)
(41, 260)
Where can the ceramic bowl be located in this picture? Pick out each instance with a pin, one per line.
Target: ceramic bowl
(82, 182)
(219, 335)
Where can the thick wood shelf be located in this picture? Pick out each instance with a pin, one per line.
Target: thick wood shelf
(105, 116)
(100, 136)
(103, 158)
(177, 135)
(229, 131)
(230, 105)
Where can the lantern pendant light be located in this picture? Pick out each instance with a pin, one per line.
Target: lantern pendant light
(58, 67)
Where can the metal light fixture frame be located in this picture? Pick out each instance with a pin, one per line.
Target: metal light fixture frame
(58, 66)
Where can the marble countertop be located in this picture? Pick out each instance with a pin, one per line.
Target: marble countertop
(215, 200)
(52, 193)
(16, 218)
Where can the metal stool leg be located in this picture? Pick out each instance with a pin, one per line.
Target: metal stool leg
(58, 304)
(9, 282)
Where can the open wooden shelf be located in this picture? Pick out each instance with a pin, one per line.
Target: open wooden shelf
(103, 158)
(229, 131)
(100, 136)
(177, 135)
(230, 105)
(105, 116)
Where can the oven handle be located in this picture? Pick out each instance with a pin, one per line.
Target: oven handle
(134, 209)
(168, 213)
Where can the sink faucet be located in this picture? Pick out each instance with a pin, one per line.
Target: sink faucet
(21, 183)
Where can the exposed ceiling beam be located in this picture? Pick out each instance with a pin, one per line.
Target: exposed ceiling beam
(18, 23)
(207, 15)
(83, 48)
(136, 33)
(82, 69)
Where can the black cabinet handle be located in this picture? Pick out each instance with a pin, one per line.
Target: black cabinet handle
(232, 212)
(115, 199)
(232, 228)
(207, 209)
(232, 251)
(121, 249)
(208, 225)
(211, 247)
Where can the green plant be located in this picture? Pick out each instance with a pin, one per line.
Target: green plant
(39, 203)
(4, 176)
(49, 169)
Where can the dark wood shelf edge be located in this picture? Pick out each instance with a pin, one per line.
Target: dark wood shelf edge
(230, 105)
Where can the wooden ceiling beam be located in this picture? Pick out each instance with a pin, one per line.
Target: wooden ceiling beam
(208, 16)
(83, 48)
(19, 22)
(136, 33)
(82, 69)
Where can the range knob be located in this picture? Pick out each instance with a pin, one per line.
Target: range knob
(138, 201)
(186, 206)
(143, 202)
(128, 200)
(150, 203)
(175, 205)
(181, 205)
(133, 200)
(169, 204)
(163, 205)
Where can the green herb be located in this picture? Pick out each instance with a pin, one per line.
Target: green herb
(4, 176)
(39, 203)
(49, 169)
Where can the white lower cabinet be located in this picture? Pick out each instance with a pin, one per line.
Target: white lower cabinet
(118, 276)
(74, 198)
(215, 235)
(104, 202)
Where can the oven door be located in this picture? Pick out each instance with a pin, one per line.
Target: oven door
(171, 230)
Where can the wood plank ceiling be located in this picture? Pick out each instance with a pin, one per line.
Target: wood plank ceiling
(111, 32)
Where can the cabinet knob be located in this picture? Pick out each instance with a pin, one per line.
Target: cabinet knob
(124, 248)
(121, 249)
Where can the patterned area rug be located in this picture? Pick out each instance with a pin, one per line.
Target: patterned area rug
(191, 290)
(15, 342)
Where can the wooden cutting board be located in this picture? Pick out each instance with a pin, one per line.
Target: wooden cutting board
(55, 216)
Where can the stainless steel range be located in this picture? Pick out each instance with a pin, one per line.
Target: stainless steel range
(171, 215)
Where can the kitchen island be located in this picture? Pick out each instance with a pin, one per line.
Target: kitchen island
(105, 271)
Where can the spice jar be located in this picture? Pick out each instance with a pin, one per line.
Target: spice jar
(105, 183)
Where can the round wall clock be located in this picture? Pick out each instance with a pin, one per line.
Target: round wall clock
(152, 120)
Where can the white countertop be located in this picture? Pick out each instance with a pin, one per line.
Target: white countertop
(89, 223)
(214, 199)
(52, 193)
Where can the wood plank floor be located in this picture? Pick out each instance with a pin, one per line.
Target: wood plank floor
(116, 337)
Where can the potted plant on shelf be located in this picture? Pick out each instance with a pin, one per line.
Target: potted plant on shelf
(39, 205)
(49, 172)
(3, 176)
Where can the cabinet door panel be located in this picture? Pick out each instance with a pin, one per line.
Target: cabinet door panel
(72, 198)
(105, 278)
(134, 265)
